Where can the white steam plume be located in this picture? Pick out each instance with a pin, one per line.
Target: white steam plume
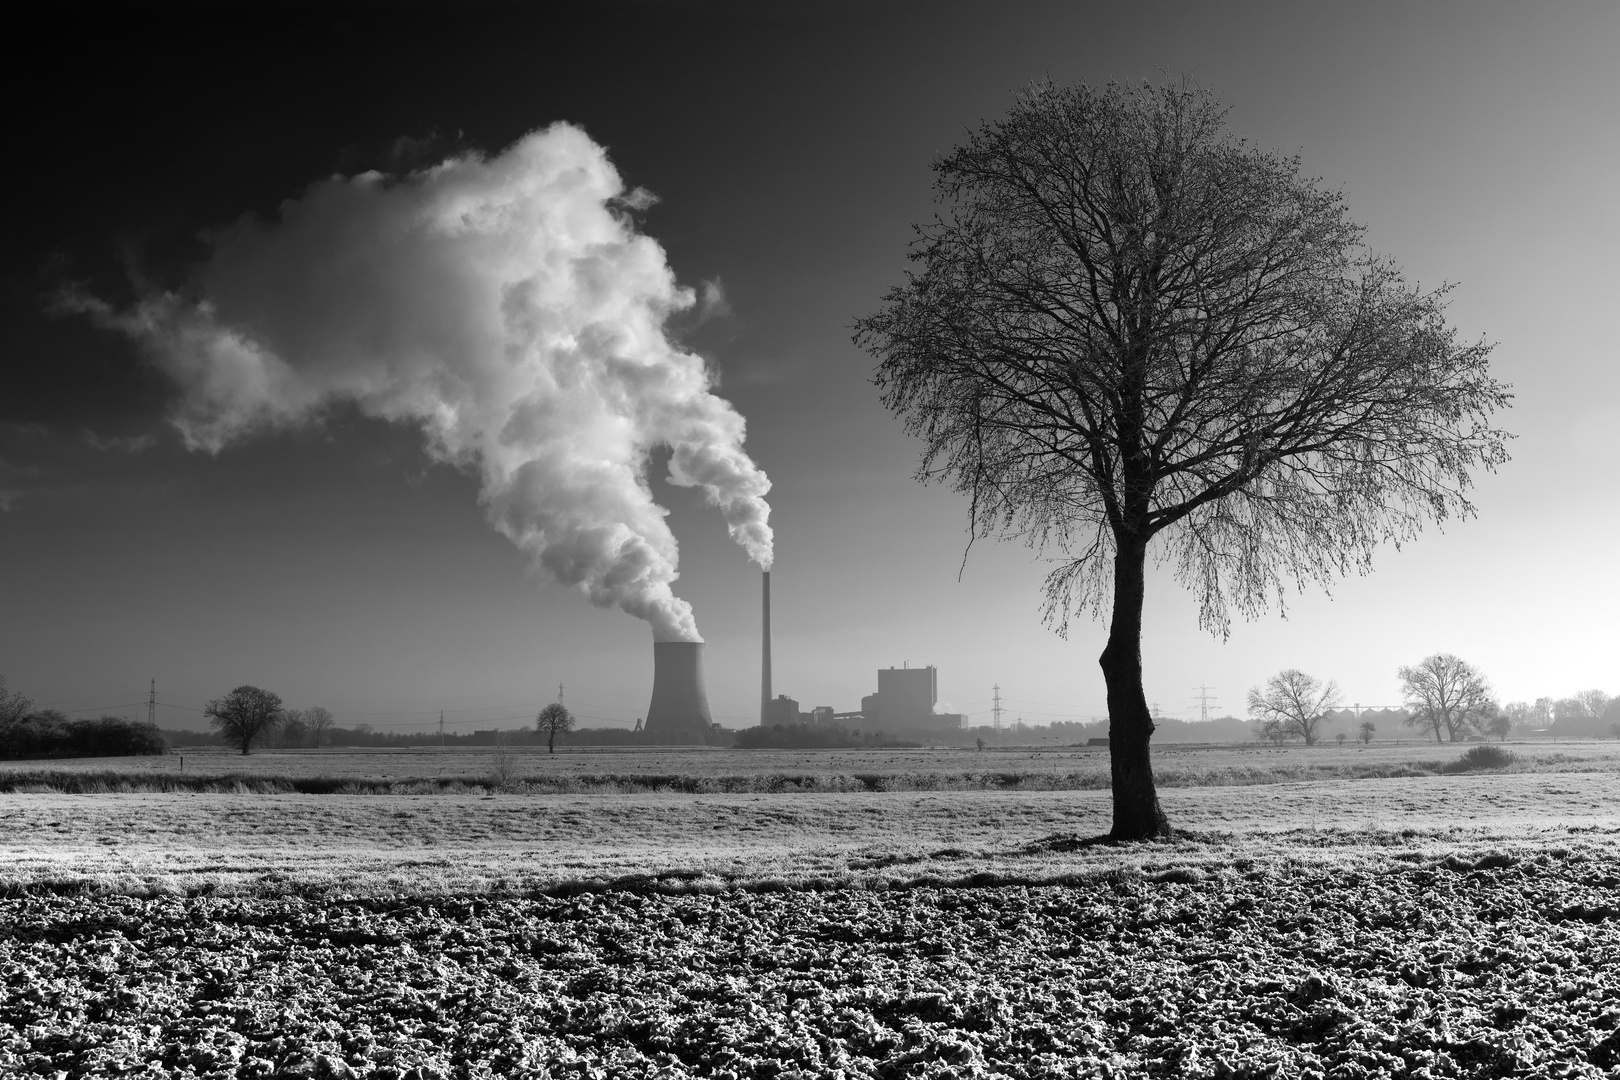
(507, 305)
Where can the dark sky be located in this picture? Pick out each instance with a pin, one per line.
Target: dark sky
(340, 565)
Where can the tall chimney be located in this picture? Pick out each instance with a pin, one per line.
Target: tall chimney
(765, 657)
(679, 712)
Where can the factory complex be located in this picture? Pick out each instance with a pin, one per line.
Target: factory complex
(904, 701)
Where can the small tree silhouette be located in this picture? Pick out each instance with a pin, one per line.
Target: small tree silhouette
(552, 719)
(1367, 729)
(318, 720)
(245, 714)
(1293, 705)
(13, 704)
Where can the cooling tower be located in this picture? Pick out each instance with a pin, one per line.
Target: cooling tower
(679, 712)
(765, 658)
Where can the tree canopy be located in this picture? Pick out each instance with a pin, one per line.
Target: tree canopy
(1447, 695)
(14, 704)
(1293, 705)
(1127, 325)
(554, 718)
(319, 719)
(244, 715)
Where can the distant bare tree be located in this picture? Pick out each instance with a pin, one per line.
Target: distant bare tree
(1128, 324)
(1293, 703)
(1340, 738)
(1447, 695)
(319, 721)
(553, 718)
(1500, 725)
(1368, 729)
(13, 705)
(1541, 712)
(1595, 703)
(503, 764)
(1519, 714)
(245, 714)
(294, 727)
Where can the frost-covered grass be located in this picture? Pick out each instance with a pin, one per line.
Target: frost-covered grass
(248, 842)
(458, 771)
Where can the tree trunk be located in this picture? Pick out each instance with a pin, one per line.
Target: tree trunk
(1137, 814)
(551, 743)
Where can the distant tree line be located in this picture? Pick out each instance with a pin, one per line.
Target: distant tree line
(1445, 696)
(27, 732)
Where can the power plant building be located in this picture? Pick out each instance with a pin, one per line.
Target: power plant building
(905, 699)
(780, 709)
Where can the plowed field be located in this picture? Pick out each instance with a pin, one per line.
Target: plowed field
(1426, 925)
(1501, 965)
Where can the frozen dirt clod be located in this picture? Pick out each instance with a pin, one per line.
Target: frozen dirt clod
(1468, 967)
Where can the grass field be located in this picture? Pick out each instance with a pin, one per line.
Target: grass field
(591, 918)
(699, 768)
(433, 820)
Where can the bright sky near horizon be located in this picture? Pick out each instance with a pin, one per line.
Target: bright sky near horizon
(340, 564)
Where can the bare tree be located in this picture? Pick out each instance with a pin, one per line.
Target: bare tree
(553, 718)
(1542, 711)
(319, 720)
(1126, 325)
(1519, 714)
(294, 727)
(1594, 703)
(245, 714)
(1294, 703)
(13, 704)
(1368, 729)
(1500, 725)
(503, 765)
(1447, 695)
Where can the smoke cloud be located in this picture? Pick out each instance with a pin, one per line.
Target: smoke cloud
(507, 305)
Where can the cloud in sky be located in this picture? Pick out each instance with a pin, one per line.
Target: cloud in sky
(507, 305)
(712, 302)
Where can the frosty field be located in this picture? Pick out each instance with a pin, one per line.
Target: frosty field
(1087, 766)
(1465, 924)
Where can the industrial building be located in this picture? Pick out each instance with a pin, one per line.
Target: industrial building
(782, 709)
(905, 700)
(679, 710)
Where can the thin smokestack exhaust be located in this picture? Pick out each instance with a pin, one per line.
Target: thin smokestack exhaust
(765, 655)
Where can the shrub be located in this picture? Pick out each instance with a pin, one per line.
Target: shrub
(503, 769)
(49, 733)
(1485, 756)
